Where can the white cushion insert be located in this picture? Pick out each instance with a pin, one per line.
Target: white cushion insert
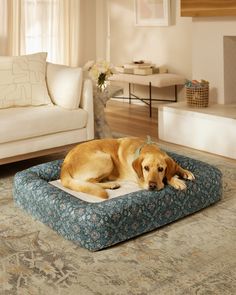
(126, 187)
(23, 80)
(28, 122)
(64, 85)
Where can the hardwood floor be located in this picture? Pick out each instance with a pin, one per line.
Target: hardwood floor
(131, 119)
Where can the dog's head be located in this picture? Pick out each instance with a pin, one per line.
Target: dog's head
(152, 168)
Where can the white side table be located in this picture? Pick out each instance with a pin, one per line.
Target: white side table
(100, 98)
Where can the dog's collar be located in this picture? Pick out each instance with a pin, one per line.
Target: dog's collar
(138, 150)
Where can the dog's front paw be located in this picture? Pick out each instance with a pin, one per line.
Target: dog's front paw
(177, 183)
(114, 185)
(109, 185)
(188, 175)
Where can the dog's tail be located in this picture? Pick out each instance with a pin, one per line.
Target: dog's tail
(80, 186)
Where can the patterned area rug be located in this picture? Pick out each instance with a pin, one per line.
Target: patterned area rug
(195, 255)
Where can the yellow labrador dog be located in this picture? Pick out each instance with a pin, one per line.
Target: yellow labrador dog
(94, 166)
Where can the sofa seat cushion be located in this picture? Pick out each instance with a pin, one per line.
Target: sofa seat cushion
(28, 122)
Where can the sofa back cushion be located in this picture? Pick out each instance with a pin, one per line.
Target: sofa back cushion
(22, 80)
(64, 85)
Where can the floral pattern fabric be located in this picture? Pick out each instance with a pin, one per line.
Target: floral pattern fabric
(99, 225)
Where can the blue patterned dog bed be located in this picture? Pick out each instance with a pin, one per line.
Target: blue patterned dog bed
(99, 225)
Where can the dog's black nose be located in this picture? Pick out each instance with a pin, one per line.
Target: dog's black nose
(152, 185)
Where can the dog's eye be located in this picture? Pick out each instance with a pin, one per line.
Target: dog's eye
(160, 169)
(146, 168)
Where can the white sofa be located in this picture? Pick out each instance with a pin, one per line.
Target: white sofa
(29, 131)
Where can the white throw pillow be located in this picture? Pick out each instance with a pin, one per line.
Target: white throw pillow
(22, 80)
(64, 85)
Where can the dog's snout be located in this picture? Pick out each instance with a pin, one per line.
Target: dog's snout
(152, 185)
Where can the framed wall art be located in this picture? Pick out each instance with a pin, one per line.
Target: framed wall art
(152, 12)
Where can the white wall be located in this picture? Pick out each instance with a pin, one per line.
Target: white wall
(208, 52)
(170, 46)
(101, 29)
(88, 34)
(192, 47)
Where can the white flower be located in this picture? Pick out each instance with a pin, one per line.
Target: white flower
(100, 71)
(88, 65)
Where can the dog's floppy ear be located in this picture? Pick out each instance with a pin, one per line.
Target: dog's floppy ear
(170, 168)
(138, 167)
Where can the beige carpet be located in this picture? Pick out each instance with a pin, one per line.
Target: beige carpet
(196, 255)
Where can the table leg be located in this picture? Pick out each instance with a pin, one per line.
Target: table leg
(176, 95)
(150, 99)
(129, 93)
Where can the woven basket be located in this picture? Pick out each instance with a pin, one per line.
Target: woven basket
(197, 96)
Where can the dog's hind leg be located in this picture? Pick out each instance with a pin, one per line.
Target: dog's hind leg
(81, 185)
(92, 189)
(109, 185)
(86, 187)
(90, 178)
(105, 172)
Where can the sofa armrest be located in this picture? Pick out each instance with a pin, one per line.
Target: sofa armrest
(86, 103)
